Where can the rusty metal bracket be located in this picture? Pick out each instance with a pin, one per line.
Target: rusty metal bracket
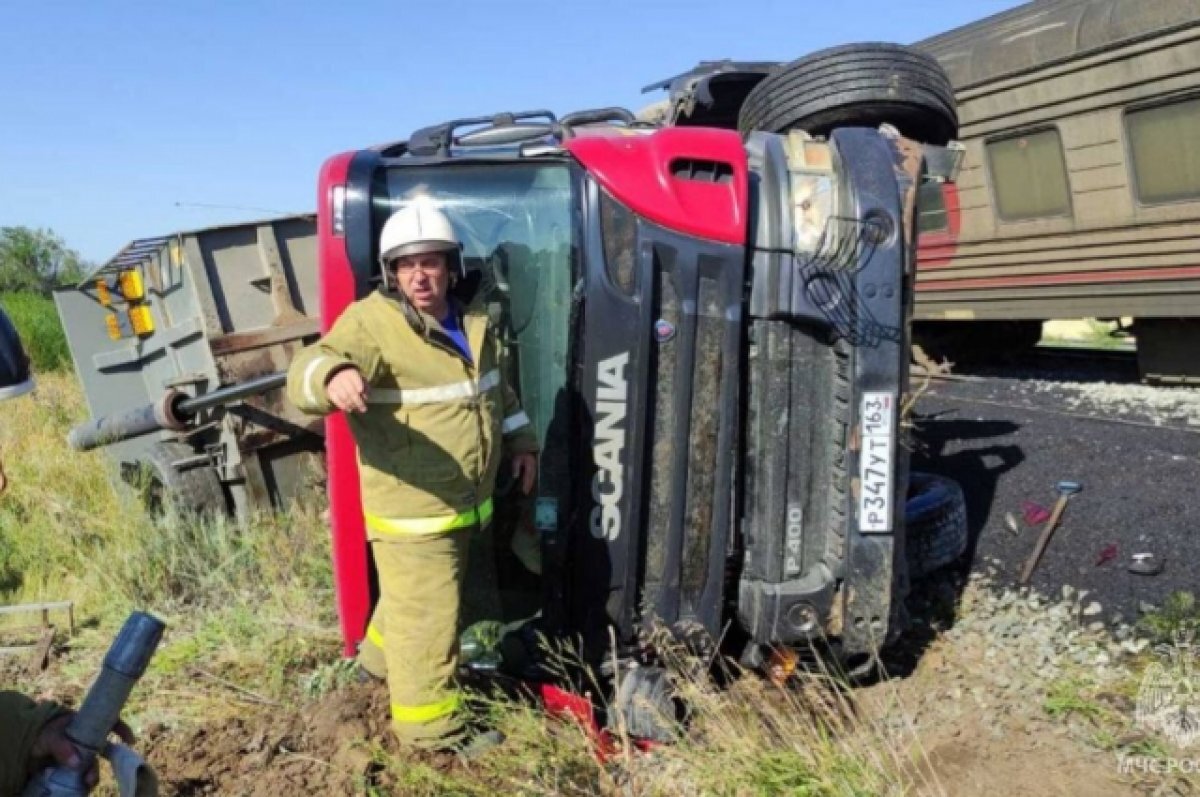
(39, 651)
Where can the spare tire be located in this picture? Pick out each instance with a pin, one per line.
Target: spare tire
(856, 85)
(935, 521)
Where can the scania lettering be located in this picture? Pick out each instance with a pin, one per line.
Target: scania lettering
(608, 485)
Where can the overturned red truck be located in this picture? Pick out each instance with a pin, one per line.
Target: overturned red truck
(710, 332)
(710, 336)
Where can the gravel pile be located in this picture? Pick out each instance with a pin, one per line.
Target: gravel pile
(1007, 648)
(1158, 404)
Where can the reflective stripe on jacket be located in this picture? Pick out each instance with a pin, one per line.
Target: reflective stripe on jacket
(436, 426)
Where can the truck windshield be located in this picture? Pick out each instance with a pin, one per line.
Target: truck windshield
(517, 223)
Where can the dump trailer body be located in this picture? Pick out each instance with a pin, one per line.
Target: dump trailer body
(193, 312)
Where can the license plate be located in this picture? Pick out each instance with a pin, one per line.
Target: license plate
(877, 432)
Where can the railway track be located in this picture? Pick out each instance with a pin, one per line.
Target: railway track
(1089, 383)
(1057, 362)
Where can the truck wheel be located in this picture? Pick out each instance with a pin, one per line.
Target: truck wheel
(935, 519)
(862, 85)
(162, 482)
(647, 706)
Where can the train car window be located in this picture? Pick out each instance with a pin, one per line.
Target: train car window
(931, 208)
(1029, 176)
(1164, 144)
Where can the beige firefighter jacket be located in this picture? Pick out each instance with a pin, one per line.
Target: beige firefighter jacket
(436, 427)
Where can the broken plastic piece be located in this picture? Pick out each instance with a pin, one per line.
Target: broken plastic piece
(1010, 522)
(1107, 554)
(1146, 564)
(782, 664)
(1035, 514)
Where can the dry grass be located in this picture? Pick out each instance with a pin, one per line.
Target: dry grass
(251, 603)
(252, 629)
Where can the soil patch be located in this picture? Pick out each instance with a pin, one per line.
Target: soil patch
(325, 747)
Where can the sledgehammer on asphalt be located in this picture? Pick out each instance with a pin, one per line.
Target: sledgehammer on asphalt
(1065, 491)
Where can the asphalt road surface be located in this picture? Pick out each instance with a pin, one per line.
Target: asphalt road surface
(1010, 438)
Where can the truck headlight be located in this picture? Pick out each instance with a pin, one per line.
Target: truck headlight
(810, 163)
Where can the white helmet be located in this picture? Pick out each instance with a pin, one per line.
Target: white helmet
(417, 228)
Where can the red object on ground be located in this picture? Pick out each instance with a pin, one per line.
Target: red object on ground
(1107, 554)
(1035, 514)
(579, 709)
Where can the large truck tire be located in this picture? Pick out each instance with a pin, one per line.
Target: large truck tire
(856, 85)
(192, 489)
(935, 519)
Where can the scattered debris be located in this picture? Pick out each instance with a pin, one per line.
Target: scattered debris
(1010, 522)
(1146, 564)
(1035, 514)
(1107, 554)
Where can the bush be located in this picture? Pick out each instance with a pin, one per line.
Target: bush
(36, 320)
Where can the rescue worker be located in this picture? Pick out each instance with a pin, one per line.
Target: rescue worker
(32, 733)
(416, 368)
(15, 379)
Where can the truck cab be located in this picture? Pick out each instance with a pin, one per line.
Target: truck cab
(709, 332)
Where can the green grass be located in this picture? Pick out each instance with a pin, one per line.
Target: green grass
(41, 331)
(250, 603)
(1068, 696)
(1091, 333)
(1179, 615)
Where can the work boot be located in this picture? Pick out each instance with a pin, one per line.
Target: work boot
(365, 676)
(474, 747)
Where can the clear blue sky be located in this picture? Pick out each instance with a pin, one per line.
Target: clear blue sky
(113, 112)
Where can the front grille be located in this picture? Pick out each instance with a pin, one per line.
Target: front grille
(691, 433)
(664, 363)
(702, 441)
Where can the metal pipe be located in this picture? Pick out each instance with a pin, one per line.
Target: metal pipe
(174, 410)
(109, 429)
(226, 395)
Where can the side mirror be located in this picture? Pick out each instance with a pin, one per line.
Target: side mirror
(15, 378)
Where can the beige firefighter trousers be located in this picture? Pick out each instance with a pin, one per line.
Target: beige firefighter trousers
(412, 638)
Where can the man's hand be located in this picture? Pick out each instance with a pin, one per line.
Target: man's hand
(525, 471)
(52, 745)
(347, 390)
